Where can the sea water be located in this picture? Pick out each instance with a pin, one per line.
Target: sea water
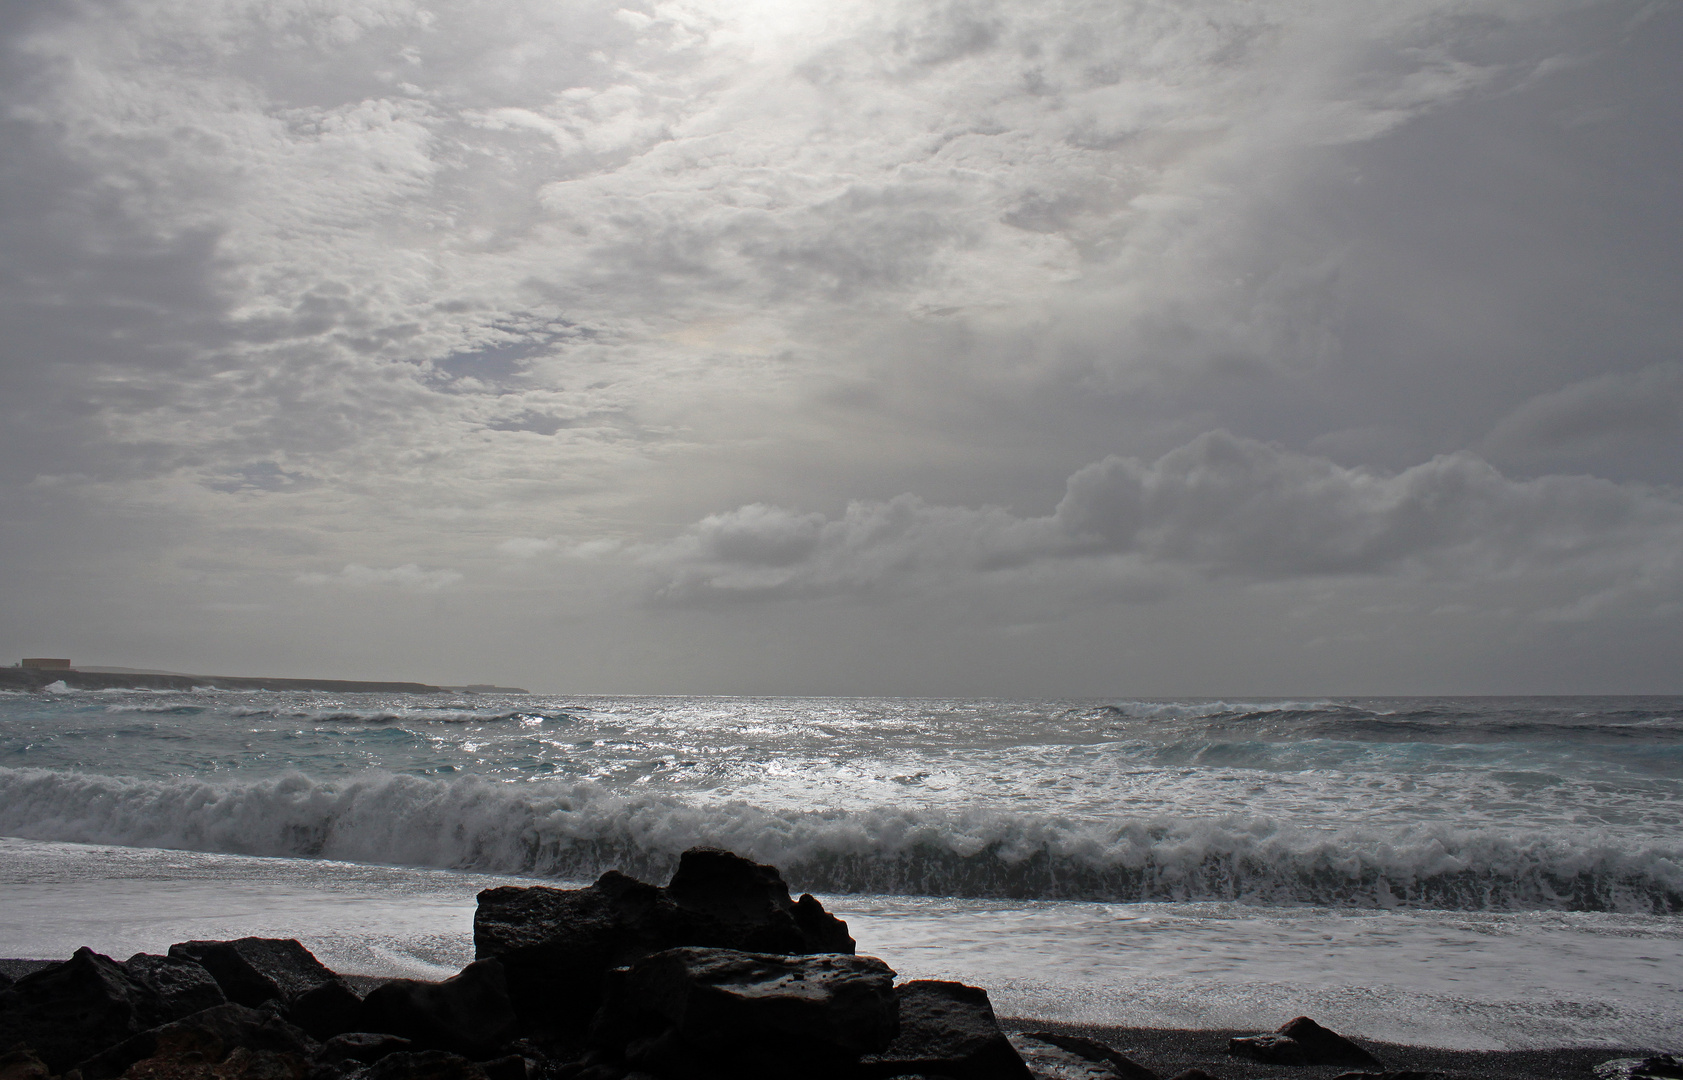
(1493, 872)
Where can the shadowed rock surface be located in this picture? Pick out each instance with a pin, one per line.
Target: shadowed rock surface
(366, 1047)
(947, 1029)
(327, 1010)
(22, 1064)
(1302, 1042)
(253, 970)
(557, 944)
(1053, 1056)
(469, 1013)
(183, 986)
(425, 1065)
(205, 1037)
(70, 1010)
(748, 1013)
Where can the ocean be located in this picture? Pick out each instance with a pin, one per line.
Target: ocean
(1477, 873)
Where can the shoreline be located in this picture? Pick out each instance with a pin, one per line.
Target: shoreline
(1170, 1051)
(38, 679)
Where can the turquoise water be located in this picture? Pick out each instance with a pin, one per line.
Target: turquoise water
(1478, 804)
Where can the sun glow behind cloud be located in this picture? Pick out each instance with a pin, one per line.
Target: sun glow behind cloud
(480, 288)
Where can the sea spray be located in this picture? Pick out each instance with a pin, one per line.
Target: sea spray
(574, 831)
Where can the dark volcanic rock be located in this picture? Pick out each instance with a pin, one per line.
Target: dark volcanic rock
(507, 1067)
(699, 1011)
(947, 1029)
(240, 1064)
(21, 1064)
(67, 1011)
(1270, 1049)
(1327, 1047)
(747, 905)
(328, 1010)
(469, 1013)
(424, 1065)
(183, 986)
(209, 1036)
(1658, 1067)
(557, 944)
(1049, 1054)
(364, 1046)
(1302, 1042)
(252, 970)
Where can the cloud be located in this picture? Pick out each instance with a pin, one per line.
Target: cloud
(1219, 506)
(379, 285)
(525, 547)
(1606, 414)
(409, 576)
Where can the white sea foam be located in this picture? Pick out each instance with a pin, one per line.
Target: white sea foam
(576, 830)
(1477, 980)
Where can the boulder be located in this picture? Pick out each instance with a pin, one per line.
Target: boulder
(424, 1065)
(747, 906)
(1269, 1049)
(469, 1013)
(1302, 1042)
(183, 986)
(947, 1029)
(1193, 1074)
(557, 944)
(21, 1064)
(253, 970)
(1397, 1074)
(66, 1011)
(1658, 1067)
(366, 1047)
(701, 1011)
(507, 1067)
(240, 1064)
(206, 1037)
(1050, 1055)
(328, 1010)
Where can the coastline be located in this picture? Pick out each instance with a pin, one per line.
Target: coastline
(1171, 1051)
(37, 679)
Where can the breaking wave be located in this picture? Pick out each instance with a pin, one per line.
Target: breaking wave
(575, 831)
(400, 716)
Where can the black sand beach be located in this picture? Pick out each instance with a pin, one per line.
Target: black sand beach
(1170, 1052)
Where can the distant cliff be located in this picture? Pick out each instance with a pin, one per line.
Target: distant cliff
(40, 678)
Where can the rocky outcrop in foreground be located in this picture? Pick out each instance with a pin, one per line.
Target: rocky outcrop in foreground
(719, 974)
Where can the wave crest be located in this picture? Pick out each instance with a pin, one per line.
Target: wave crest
(575, 831)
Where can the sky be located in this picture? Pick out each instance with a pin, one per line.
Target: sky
(923, 347)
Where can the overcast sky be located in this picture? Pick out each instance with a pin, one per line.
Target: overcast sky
(1051, 348)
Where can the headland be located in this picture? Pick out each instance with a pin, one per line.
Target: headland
(39, 678)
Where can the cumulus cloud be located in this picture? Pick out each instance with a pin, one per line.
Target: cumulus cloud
(1219, 506)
